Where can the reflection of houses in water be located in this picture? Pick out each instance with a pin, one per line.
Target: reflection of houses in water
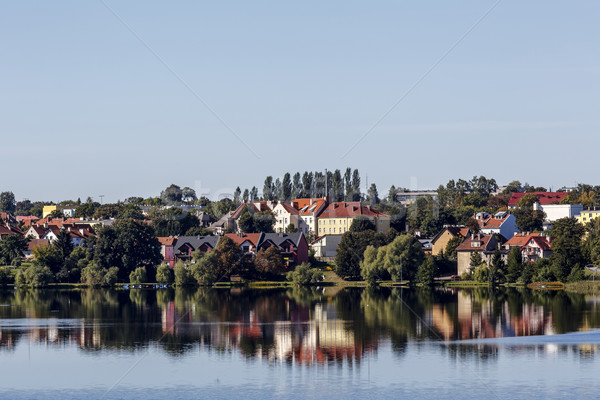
(470, 318)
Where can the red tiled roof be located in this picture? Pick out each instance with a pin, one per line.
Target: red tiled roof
(9, 231)
(544, 198)
(33, 243)
(520, 239)
(253, 238)
(489, 221)
(309, 209)
(257, 206)
(348, 210)
(466, 245)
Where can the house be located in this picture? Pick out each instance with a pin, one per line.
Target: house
(248, 242)
(325, 246)
(229, 224)
(66, 211)
(7, 230)
(337, 218)
(26, 220)
(501, 223)
(308, 211)
(32, 244)
(225, 224)
(557, 211)
(204, 219)
(519, 240)
(167, 250)
(449, 232)
(78, 236)
(544, 198)
(285, 214)
(585, 217)
(408, 197)
(537, 247)
(184, 246)
(292, 246)
(484, 244)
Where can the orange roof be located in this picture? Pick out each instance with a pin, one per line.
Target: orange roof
(311, 209)
(253, 238)
(466, 245)
(520, 239)
(167, 241)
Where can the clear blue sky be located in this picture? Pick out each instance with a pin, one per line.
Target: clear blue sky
(87, 109)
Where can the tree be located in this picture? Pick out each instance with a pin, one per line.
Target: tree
(94, 275)
(307, 179)
(497, 271)
(392, 194)
(269, 263)
(291, 228)
(451, 246)
(246, 221)
(361, 224)
(338, 186)
(351, 249)
(246, 195)
(127, 245)
(12, 248)
(47, 256)
(355, 185)
(427, 271)
(204, 270)
(138, 275)
(63, 244)
(34, 276)
(254, 193)
(403, 258)
(475, 261)
(164, 274)
(183, 276)
(370, 268)
(372, 195)
(286, 187)
(528, 219)
(228, 256)
(268, 189)
(473, 225)
(7, 202)
(172, 194)
(592, 241)
(173, 222)
(188, 195)
(86, 210)
(264, 221)
(514, 265)
(567, 247)
(237, 195)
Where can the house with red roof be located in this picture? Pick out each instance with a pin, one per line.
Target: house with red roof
(544, 198)
(484, 244)
(537, 247)
(501, 223)
(448, 232)
(519, 240)
(337, 218)
(308, 212)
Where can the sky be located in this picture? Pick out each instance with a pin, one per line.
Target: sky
(124, 98)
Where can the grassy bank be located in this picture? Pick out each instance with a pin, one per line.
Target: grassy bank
(583, 287)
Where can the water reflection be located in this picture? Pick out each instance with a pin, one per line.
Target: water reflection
(301, 326)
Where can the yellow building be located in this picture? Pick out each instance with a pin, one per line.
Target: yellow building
(337, 218)
(588, 215)
(48, 210)
(440, 241)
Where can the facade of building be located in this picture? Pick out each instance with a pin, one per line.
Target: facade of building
(337, 218)
(537, 247)
(557, 211)
(585, 217)
(326, 246)
(440, 241)
(285, 214)
(484, 244)
(308, 212)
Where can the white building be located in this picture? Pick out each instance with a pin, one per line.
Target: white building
(557, 211)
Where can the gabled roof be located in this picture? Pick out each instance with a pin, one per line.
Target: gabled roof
(489, 221)
(454, 230)
(288, 207)
(38, 230)
(483, 246)
(255, 206)
(197, 241)
(33, 243)
(239, 238)
(520, 239)
(348, 210)
(280, 238)
(544, 198)
(541, 241)
(9, 231)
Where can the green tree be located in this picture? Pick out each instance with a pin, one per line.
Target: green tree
(355, 185)
(127, 245)
(528, 219)
(497, 268)
(451, 246)
(403, 258)
(514, 265)
(567, 247)
(291, 228)
(361, 224)
(164, 274)
(138, 276)
(592, 241)
(7, 202)
(12, 248)
(35, 276)
(351, 250)
(373, 195)
(370, 269)
(86, 210)
(172, 195)
(264, 221)
(63, 244)
(188, 195)
(427, 271)
(245, 221)
(475, 261)
(183, 276)
(286, 187)
(269, 263)
(47, 256)
(94, 275)
(204, 270)
(228, 256)
(304, 275)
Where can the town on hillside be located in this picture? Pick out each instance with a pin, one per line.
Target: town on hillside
(466, 229)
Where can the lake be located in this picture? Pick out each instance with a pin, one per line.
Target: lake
(320, 343)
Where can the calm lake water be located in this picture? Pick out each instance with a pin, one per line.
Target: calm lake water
(298, 343)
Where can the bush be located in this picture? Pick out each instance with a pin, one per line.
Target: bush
(305, 275)
(482, 274)
(95, 276)
(4, 277)
(35, 276)
(164, 274)
(138, 275)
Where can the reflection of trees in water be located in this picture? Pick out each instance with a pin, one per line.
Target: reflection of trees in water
(289, 325)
